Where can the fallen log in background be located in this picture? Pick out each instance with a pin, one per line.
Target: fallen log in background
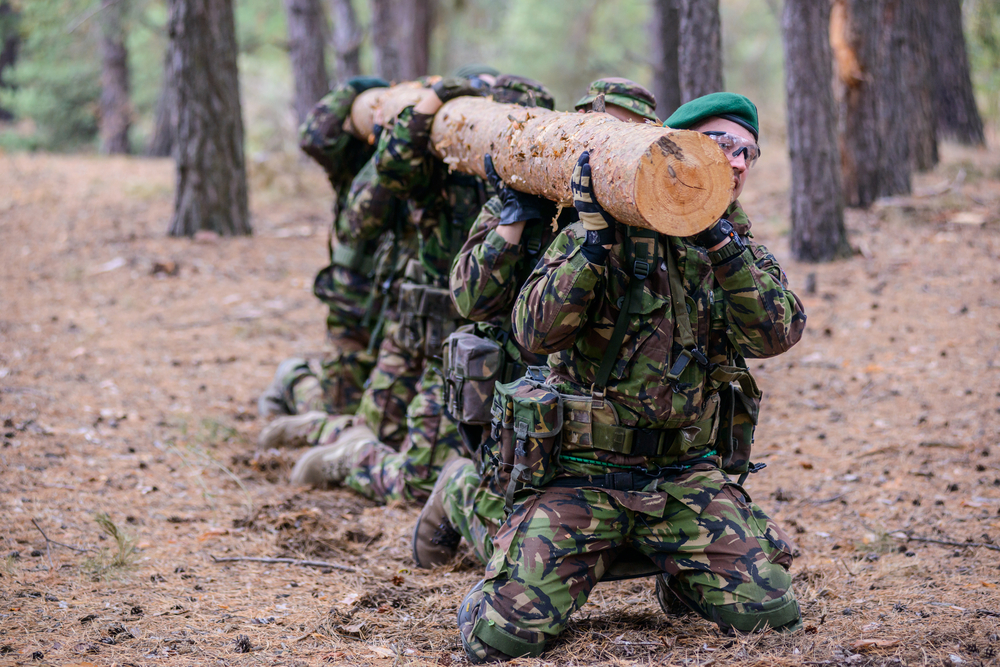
(677, 182)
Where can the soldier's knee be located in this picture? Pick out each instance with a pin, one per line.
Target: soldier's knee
(483, 638)
(777, 614)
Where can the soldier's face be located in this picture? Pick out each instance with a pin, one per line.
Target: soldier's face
(737, 162)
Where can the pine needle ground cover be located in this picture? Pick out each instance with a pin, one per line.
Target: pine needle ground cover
(130, 364)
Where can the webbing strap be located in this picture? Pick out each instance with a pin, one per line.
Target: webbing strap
(640, 252)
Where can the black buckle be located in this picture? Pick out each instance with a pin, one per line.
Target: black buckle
(640, 269)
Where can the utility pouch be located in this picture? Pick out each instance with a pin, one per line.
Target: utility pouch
(738, 418)
(472, 366)
(410, 335)
(527, 418)
(439, 318)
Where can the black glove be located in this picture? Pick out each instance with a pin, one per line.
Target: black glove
(453, 86)
(362, 83)
(517, 205)
(599, 225)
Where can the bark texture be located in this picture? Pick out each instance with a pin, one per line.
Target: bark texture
(919, 85)
(387, 101)
(401, 31)
(306, 44)
(346, 38)
(161, 144)
(10, 41)
(868, 40)
(700, 48)
(674, 181)
(957, 115)
(664, 39)
(211, 173)
(116, 107)
(818, 232)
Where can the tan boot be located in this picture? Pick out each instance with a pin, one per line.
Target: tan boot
(435, 540)
(328, 465)
(290, 431)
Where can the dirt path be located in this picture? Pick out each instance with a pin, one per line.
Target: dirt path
(130, 364)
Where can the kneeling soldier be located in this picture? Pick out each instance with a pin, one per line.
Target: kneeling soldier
(650, 404)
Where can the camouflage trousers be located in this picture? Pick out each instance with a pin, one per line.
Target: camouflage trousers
(331, 383)
(474, 508)
(726, 559)
(377, 471)
(390, 388)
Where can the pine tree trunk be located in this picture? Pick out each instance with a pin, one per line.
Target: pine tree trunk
(116, 108)
(401, 38)
(346, 39)
(674, 181)
(663, 45)
(307, 48)
(919, 83)
(387, 57)
(957, 115)
(211, 173)
(818, 232)
(161, 144)
(9, 42)
(700, 49)
(892, 101)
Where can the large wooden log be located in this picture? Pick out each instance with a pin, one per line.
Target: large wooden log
(677, 182)
(390, 101)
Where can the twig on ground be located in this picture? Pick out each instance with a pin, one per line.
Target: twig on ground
(827, 500)
(290, 561)
(947, 543)
(48, 550)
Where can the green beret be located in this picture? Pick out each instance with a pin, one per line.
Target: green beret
(475, 69)
(729, 106)
(622, 93)
(511, 89)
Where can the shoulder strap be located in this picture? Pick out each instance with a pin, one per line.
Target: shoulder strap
(640, 256)
(682, 320)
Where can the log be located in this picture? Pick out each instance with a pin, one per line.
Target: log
(390, 101)
(677, 182)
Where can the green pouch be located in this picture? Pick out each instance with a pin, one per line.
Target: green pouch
(472, 365)
(738, 419)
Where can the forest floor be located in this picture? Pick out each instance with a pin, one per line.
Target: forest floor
(130, 364)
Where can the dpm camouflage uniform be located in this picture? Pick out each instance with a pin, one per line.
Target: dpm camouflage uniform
(623, 93)
(725, 558)
(333, 382)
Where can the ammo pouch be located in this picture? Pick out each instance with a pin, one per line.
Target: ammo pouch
(526, 424)
(472, 366)
(737, 420)
(427, 316)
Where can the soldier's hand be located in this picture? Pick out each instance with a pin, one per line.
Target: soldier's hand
(451, 87)
(599, 225)
(517, 206)
(362, 83)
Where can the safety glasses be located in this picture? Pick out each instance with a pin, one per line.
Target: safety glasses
(733, 145)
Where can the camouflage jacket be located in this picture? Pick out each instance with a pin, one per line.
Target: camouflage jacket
(442, 204)
(741, 308)
(323, 138)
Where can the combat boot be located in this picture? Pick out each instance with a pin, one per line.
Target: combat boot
(329, 465)
(274, 400)
(670, 603)
(290, 431)
(435, 540)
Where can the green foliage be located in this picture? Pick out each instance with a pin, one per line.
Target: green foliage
(982, 24)
(122, 555)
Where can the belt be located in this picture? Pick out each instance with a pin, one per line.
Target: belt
(625, 481)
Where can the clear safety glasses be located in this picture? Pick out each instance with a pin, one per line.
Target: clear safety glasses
(732, 145)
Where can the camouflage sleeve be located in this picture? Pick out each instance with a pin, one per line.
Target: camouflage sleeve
(554, 304)
(322, 136)
(404, 164)
(368, 209)
(764, 316)
(483, 280)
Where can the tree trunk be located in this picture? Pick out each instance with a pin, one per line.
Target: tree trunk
(700, 48)
(401, 38)
(211, 173)
(957, 115)
(663, 45)
(868, 40)
(919, 83)
(818, 232)
(674, 181)
(116, 108)
(306, 44)
(346, 39)
(9, 42)
(161, 144)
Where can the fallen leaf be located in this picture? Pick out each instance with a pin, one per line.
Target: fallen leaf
(806, 464)
(968, 218)
(869, 644)
(382, 651)
(212, 532)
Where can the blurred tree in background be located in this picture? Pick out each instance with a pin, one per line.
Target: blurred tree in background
(116, 106)
(10, 40)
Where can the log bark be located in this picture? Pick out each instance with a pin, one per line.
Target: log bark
(677, 182)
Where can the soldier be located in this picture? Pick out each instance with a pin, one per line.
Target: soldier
(646, 336)
(333, 383)
(485, 279)
(442, 202)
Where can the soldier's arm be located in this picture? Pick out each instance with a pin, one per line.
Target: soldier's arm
(321, 135)
(764, 315)
(482, 274)
(554, 304)
(369, 208)
(403, 160)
